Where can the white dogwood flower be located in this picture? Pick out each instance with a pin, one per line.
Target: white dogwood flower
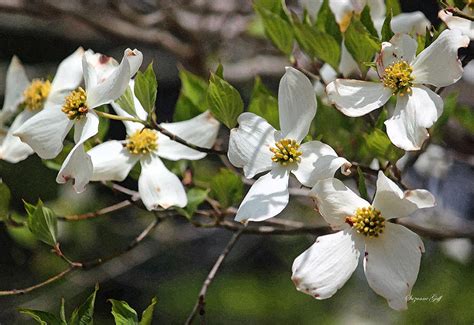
(31, 98)
(158, 187)
(405, 75)
(105, 80)
(392, 253)
(257, 147)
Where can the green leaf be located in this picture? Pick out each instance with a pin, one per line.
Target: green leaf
(42, 222)
(227, 188)
(84, 314)
(220, 71)
(360, 43)
(123, 313)
(361, 184)
(62, 311)
(317, 44)
(41, 317)
(366, 19)
(224, 101)
(393, 6)
(326, 22)
(104, 124)
(387, 32)
(380, 146)
(147, 315)
(146, 88)
(277, 29)
(196, 196)
(5, 197)
(127, 102)
(192, 97)
(264, 103)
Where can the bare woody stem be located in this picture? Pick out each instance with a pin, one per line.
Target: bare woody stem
(120, 118)
(199, 307)
(85, 265)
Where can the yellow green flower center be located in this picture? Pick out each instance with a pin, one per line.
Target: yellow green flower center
(397, 76)
(36, 93)
(367, 221)
(75, 106)
(142, 142)
(286, 152)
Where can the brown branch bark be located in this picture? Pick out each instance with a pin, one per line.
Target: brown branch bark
(199, 307)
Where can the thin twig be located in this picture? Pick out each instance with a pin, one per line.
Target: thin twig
(87, 264)
(178, 139)
(115, 207)
(200, 304)
(39, 285)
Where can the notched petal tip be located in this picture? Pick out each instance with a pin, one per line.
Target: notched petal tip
(346, 168)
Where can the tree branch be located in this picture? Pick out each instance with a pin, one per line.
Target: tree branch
(200, 304)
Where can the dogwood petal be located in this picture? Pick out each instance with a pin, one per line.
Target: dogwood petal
(16, 83)
(392, 262)
(76, 167)
(158, 186)
(45, 132)
(111, 88)
(410, 22)
(413, 114)
(438, 64)
(249, 144)
(135, 59)
(393, 203)
(11, 147)
(267, 197)
(348, 66)
(318, 161)
(97, 67)
(357, 97)
(336, 201)
(86, 127)
(200, 130)
(454, 22)
(400, 47)
(296, 104)
(327, 265)
(111, 161)
(69, 73)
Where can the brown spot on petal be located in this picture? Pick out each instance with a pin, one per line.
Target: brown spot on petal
(296, 280)
(316, 296)
(366, 254)
(158, 189)
(103, 59)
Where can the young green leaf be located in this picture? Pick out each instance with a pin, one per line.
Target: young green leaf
(264, 103)
(317, 44)
(104, 124)
(62, 311)
(360, 43)
(127, 103)
(326, 22)
(123, 313)
(366, 19)
(361, 184)
(224, 101)
(5, 196)
(227, 188)
(393, 6)
(380, 146)
(192, 97)
(196, 196)
(84, 314)
(277, 29)
(146, 88)
(42, 222)
(147, 315)
(387, 32)
(42, 317)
